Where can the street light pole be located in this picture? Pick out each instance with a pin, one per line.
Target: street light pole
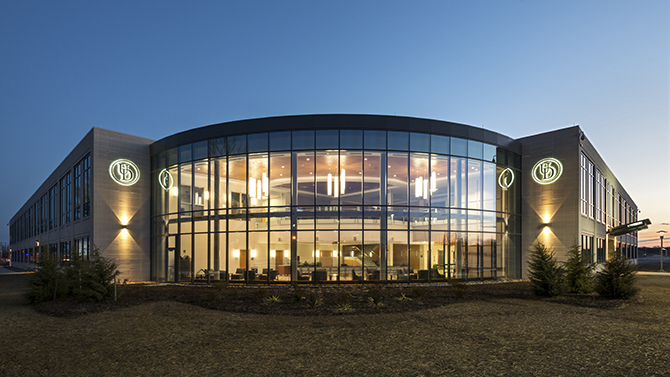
(661, 232)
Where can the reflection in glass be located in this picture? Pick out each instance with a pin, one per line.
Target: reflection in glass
(397, 178)
(372, 181)
(351, 178)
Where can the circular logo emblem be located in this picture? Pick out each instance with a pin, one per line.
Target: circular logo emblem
(547, 171)
(506, 179)
(124, 172)
(165, 179)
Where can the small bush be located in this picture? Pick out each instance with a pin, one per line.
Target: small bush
(48, 282)
(547, 277)
(402, 297)
(313, 300)
(578, 272)
(376, 295)
(296, 292)
(86, 280)
(617, 278)
(274, 299)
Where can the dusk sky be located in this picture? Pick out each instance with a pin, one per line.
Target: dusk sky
(154, 68)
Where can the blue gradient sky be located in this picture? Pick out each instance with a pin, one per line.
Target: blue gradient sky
(153, 68)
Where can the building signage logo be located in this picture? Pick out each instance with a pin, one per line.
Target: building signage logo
(506, 179)
(124, 172)
(547, 171)
(165, 179)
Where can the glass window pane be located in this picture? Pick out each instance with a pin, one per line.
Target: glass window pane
(372, 178)
(351, 178)
(351, 139)
(351, 259)
(375, 139)
(351, 217)
(218, 251)
(327, 139)
(459, 147)
(280, 218)
(372, 256)
(185, 153)
(303, 139)
(172, 156)
(327, 178)
(475, 221)
(218, 196)
(327, 259)
(398, 141)
(200, 257)
(185, 257)
(185, 194)
(419, 142)
(217, 147)
(237, 256)
(259, 262)
(200, 150)
(372, 217)
(257, 142)
(458, 254)
(236, 144)
(397, 178)
(305, 177)
(280, 255)
(490, 153)
(200, 186)
(398, 256)
(439, 181)
(280, 179)
(258, 180)
(280, 141)
(458, 220)
(418, 253)
(421, 184)
(306, 255)
(475, 184)
(237, 181)
(474, 149)
(458, 182)
(489, 186)
(474, 258)
(439, 144)
(439, 219)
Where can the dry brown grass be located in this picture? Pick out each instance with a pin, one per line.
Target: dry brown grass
(489, 332)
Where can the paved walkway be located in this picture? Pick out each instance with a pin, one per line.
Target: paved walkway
(4, 270)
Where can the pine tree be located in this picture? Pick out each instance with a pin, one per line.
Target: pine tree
(617, 278)
(579, 272)
(546, 275)
(49, 280)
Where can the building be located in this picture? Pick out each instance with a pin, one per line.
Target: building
(339, 198)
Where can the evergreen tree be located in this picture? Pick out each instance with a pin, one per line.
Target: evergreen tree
(49, 280)
(96, 282)
(617, 278)
(578, 272)
(546, 275)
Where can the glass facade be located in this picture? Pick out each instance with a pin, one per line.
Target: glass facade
(337, 206)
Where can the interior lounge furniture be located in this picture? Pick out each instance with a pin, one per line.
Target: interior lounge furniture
(303, 277)
(271, 273)
(238, 275)
(320, 275)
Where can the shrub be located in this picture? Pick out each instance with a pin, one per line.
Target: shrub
(547, 277)
(86, 280)
(617, 278)
(377, 295)
(97, 278)
(49, 280)
(578, 272)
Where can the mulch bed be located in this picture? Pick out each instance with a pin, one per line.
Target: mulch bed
(313, 300)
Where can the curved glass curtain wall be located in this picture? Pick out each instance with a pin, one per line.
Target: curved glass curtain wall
(335, 205)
